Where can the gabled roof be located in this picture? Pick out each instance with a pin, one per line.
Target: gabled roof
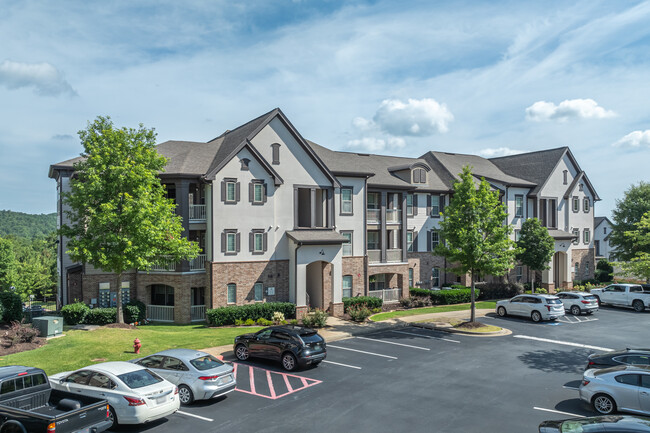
(599, 220)
(575, 182)
(378, 169)
(453, 163)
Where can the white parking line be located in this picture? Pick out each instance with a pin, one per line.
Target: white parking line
(361, 351)
(564, 343)
(392, 342)
(426, 336)
(342, 365)
(559, 411)
(195, 416)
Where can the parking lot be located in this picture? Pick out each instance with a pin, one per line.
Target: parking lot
(423, 381)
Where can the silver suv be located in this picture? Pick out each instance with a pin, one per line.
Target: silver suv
(537, 307)
(624, 388)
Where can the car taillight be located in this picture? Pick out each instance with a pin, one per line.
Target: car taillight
(108, 411)
(51, 428)
(135, 401)
(175, 390)
(585, 302)
(591, 363)
(548, 307)
(209, 377)
(585, 382)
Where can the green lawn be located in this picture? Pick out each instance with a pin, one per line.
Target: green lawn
(426, 310)
(79, 348)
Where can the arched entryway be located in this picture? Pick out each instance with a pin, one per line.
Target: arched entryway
(161, 304)
(559, 270)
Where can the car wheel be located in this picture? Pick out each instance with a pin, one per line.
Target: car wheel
(241, 352)
(604, 404)
(575, 310)
(598, 300)
(288, 362)
(185, 395)
(501, 311)
(638, 306)
(112, 417)
(536, 316)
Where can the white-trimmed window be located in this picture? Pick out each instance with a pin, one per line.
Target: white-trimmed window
(232, 293)
(346, 201)
(231, 191)
(576, 236)
(409, 241)
(231, 242)
(519, 206)
(576, 270)
(435, 206)
(586, 269)
(586, 204)
(347, 286)
(347, 246)
(519, 273)
(586, 236)
(258, 244)
(409, 204)
(435, 239)
(410, 277)
(575, 204)
(258, 288)
(258, 193)
(517, 234)
(257, 240)
(435, 277)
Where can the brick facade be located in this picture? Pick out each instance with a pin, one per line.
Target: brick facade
(423, 263)
(398, 276)
(273, 273)
(356, 266)
(584, 258)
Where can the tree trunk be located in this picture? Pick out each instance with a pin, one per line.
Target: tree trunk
(532, 284)
(119, 315)
(472, 318)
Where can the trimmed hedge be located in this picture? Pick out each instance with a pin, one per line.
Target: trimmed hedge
(12, 307)
(73, 314)
(135, 311)
(369, 301)
(499, 290)
(101, 316)
(446, 297)
(228, 315)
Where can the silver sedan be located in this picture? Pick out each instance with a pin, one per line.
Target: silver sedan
(198, 375)
(624, 388)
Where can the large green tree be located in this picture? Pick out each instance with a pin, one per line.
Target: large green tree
(535, 247)
(639, 265)
(7, 264)
(119, 216)
(628, 212)
(474, 232)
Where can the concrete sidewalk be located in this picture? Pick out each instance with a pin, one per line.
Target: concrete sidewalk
(339, 329)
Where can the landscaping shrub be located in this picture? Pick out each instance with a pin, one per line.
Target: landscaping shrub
(538, 291)
(406, 302)
(135, 311)
(604, 271)
(21, 333)
(12, 307)
(359, 313)
(228, 315)
(239, 322)
(101, 316)
(369, 301)
(264, 322)
(315, 319)
(278, 318)
(459, 286)
(445, 297)
(73, 314)
(499, 290)
(293, 322)
(249, 322)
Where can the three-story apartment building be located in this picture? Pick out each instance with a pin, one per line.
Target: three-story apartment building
(280, 218)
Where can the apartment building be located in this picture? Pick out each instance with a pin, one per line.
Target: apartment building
(602, 232)
(280, 218)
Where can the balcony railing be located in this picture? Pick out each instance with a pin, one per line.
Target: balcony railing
(394, 255)
(198, 263)
(374, 256)
(197, 313)
(393, 215)
(197, 212)
(160, 313)
(165, 264)
(373, 216)
(387, 295)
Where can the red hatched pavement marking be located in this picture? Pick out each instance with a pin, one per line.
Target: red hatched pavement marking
(274, 395)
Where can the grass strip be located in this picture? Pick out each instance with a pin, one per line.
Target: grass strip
(426, 310)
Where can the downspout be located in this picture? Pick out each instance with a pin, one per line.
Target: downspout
(295, 272)
(60, 300)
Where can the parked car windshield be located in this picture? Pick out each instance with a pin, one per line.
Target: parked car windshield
(140, 378)
(311, 337)
(553, 301)
(206, 363)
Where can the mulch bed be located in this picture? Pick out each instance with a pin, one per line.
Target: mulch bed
(470, 325)
(6, 348)
(120, 326)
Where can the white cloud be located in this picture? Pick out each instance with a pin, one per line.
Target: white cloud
(372, 144)
(567, 110)
(363, 124)
(499, 151)
(635, 140)
(417, 117)
(43, 77)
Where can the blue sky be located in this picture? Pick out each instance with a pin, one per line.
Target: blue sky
(389, 77)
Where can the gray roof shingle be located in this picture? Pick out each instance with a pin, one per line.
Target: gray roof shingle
(535, 167)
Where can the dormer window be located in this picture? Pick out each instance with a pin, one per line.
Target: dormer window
(275, 147)
(419, 175)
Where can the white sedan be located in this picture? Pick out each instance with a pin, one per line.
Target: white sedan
(135, 394)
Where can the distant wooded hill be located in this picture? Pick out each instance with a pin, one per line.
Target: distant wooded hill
(26, 225)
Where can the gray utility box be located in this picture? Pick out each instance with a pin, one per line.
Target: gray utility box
(48, 326)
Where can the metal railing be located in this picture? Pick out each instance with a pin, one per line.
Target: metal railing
(165, 264)
(373, 216)
(387, 295)
(374, 256)
(393, 215)
(197, 212)
(394, 255)
(197, 313)
(198, 263)
(160, 313)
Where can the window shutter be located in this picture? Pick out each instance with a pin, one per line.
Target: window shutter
(265, 242)
(238, 239)
(428, 205)
(251, 242)
(265, 192)
(238, 197)
(251, 192)
(223, 242)
(223, 191)
(415, 204)
(415, 242)
(442, 203)
(428, 240)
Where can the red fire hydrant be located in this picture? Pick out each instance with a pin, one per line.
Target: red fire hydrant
(137, 345)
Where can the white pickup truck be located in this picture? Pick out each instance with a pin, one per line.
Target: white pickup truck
(623, 295)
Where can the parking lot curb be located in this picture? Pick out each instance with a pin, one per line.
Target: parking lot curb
(451, 330)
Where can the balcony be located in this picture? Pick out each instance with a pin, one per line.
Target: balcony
(387, 295)
(198, 263)
(394, 255)
(393, 216)
(197, 212)
(374, 256)
(373, 216)
(160, 313)
(197, 313)
(164, 264)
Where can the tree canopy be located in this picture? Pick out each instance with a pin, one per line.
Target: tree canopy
(535, 246)
(25, 225)
(474, 232)
(628, 212)
(120, 217)
(639, 265)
